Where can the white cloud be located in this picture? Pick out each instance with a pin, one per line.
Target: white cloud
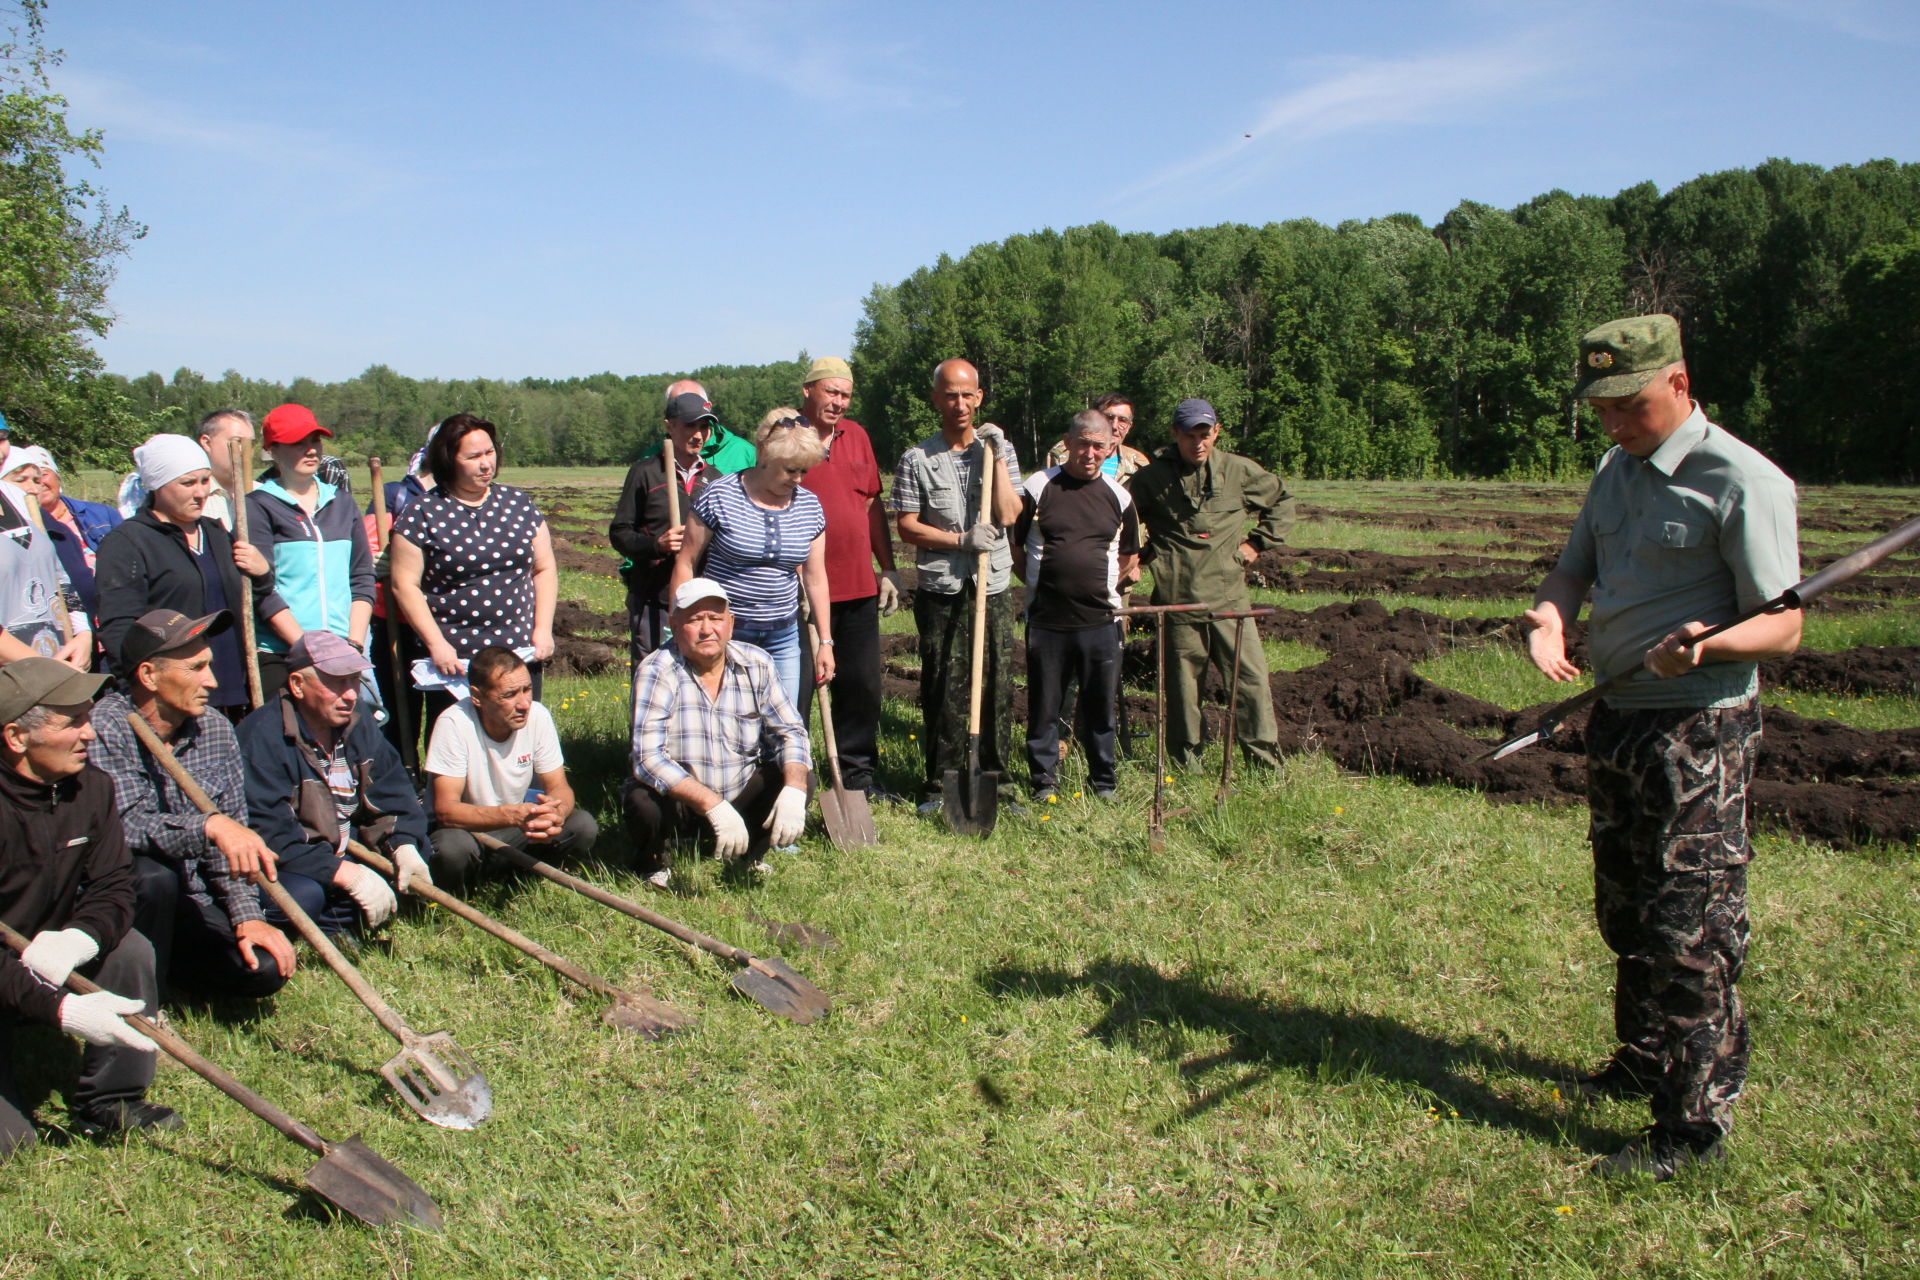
(809, 48)
(1352, 94)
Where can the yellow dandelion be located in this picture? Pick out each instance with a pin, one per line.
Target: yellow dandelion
(1565, 1208)
(913, 737)
(1046, 817)
(1076, 795)
(1339, 808)
(1169, 777)
(1056, 799)
(963, 1017)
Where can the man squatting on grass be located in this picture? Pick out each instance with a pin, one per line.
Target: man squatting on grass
(318, 771)
(1206, 514)
(66, 882)
(1081, 540)
(847, 482)
(936, 504)
(496, 766)
(1684, 526)
(197, 903)
(715, 738)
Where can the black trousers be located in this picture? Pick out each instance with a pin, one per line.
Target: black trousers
(458, 862)
(108, 1074)
(855, 690)
(652, 819)
(946, 674)
(194, 944)
(1054, 659)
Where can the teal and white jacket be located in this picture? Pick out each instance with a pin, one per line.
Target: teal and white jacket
(320, 565)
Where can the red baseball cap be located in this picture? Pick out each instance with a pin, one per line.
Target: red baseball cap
(290, 424)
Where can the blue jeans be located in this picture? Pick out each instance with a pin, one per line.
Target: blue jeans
(781, 640)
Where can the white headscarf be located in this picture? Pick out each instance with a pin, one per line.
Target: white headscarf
(31, 455)
(166, 457)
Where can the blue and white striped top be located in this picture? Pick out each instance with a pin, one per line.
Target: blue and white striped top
(756, 552)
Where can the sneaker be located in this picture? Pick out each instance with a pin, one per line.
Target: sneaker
(1660, 1154)
(1616, 1080)
(784, 848)
(661, 879)
(930, 808)
(109, 1119)
(1106, 796)
(1046, 795)
(880, 795)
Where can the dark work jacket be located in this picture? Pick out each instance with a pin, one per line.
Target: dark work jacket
(145, 564)
(641, 518)
(291, 805)
(63, 865)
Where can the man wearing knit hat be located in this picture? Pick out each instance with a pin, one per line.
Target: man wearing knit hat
(847, 482)
(1684, 526)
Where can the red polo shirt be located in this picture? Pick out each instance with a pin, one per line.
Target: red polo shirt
(845, 483)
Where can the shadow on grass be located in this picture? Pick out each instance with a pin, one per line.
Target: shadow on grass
(1146, 1007)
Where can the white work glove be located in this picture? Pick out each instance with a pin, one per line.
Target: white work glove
(55, 953)
(97, 1019)
(376, 900)
(411, 869)
(889, 592)
(980, 538)
(991, 436)
(729, 830)
(789, 816)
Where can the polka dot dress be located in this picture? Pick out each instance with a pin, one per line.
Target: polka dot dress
(477, 570)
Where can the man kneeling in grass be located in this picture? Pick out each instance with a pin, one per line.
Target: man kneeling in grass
(715, 739)
(497, 768)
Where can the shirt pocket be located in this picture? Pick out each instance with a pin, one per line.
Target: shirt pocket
(1678, 550)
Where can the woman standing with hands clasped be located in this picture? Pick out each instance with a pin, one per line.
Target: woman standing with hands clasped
(472, 560)
(759, 534)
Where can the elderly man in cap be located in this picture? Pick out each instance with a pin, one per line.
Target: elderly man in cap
(1206, 514)
(847, 482)
(1684, 526)
(319, 774)
(643, 529)
(495, 766)
(715, 741)
(936, 501)
(198, 904)
(66, 882)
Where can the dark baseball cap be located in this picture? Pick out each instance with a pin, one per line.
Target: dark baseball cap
(160, 631)
(328, 652)
(690, 407)
(1620, 358)
(1194, 413)
(26, 683)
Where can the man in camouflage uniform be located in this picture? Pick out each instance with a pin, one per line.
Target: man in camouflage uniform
(1205, 514)
(1684, 526)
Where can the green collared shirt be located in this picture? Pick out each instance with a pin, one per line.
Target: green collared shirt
(1701, 531)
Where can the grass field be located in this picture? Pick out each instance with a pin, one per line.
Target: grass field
(1318, 1035)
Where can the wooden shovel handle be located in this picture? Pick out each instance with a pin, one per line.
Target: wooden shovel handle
(826, 717)
(241, 454)
(316, 938)
(673, 483)
(382, 522)
(983, 567)
(185, 1053)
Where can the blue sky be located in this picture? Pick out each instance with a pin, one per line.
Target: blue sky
(511, 190)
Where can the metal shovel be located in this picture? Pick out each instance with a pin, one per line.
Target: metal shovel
(349, 1176)
(431, 1073)
(848, 818)
(972, 803)
(768, 981)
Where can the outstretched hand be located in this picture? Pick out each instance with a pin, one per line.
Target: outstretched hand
(1547, 645)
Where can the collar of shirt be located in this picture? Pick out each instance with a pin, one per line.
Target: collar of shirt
(1674, 449)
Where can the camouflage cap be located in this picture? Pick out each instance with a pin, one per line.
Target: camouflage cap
(1620, 358)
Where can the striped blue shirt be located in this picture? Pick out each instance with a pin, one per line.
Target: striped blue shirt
(755, 552)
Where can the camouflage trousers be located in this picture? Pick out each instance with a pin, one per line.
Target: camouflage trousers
(946, 672)
(1668, 792)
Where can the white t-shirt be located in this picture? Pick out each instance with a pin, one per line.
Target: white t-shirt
(496, 772)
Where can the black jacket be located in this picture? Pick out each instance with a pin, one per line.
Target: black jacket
(639, 520)
(145, 564)
(63, 865)
(292, 807)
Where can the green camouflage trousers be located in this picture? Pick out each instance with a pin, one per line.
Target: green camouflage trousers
(946, 671)
(1668, 792)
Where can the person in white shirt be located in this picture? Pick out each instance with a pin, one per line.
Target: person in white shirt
(496, 767)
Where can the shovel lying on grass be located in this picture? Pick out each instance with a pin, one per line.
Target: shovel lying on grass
(1797, 596)
(349, 1176)
(634, 1011)
(431, 1073)
(767, 981)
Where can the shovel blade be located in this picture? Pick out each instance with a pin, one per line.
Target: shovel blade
(356, 1181)
(848, 819)
(435, 1077)
(773, 985)
(971, 801)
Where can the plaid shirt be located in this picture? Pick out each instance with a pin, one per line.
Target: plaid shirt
(161, 823)
(679, 733)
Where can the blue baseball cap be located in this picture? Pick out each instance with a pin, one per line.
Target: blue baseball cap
(1192, 414)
